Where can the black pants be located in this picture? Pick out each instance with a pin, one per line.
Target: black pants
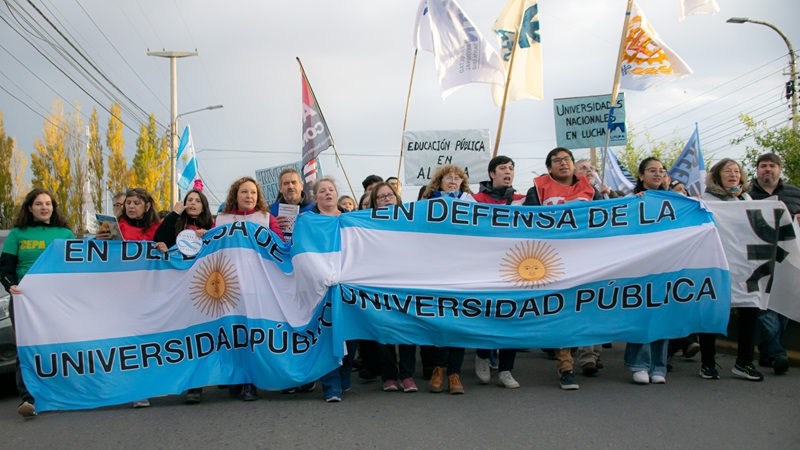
(450, 357)
(505, 358)
(748, 322)
(394, 368)
(23, 391)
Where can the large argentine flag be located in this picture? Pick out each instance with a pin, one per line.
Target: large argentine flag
(108, 322)
(452, 273)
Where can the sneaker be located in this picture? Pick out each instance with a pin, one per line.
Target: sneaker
(333, 398)
(141, 403)
(780, 365)
(194, 396)
(408, 385)
(507, 381)
(289, 391)
(437, 379)
(454, 382)
(482, 370)
(567, 381)
(641, 377)
(26, 410)
(658, 379)
(765, 362)
(390, 386)
(589, 369)
(747, 371)
(691, 350)
(307, 387)
(709, 373)
(250, 393)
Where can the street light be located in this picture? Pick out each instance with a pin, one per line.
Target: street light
(174, 148)
(790, 86)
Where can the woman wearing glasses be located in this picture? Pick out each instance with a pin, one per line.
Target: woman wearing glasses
(448, 181)
(397, 373)
(648, 362)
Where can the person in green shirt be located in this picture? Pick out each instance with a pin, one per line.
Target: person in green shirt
(38, 223)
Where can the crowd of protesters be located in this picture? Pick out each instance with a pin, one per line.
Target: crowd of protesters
(39, 222)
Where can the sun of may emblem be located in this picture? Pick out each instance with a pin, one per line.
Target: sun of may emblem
(531, 264)
(214, 289)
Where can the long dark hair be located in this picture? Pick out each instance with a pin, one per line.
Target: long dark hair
(642, 167)
(150, 215)
(205, 220)
(25, 218)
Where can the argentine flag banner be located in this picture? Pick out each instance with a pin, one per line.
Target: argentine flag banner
(452, 273)
(186, 160)
(108, 322)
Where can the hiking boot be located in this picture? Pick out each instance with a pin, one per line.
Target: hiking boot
(709, 373)
(454, 382)
(567, 381)
(436, 379)
(482, 370)
(780, 365)
(747, 371)
(507, 381)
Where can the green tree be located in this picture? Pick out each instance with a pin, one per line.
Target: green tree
(119, 175)
(635, 151)
(96, 164)
(7, 209)
(77, 189)
(151, 163)
(783, 142)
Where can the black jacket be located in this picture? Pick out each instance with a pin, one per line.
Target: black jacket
(788, 194)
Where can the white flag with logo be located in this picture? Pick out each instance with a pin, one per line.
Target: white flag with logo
(461, 54)
(519, 21)
(647, 59)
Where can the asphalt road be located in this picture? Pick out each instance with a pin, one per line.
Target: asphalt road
(608, 411)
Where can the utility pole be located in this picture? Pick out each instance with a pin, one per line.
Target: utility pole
(173, 122)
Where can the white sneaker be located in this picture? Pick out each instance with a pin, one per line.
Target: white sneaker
(482, 370)
(641, 377)
(658, 379)
(508, 381)
(141, 403)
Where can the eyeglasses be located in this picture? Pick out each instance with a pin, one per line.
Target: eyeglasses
(450, 178)
(653, 171)
(560, 160)
(586, 168)
(118, 205)
(384, 197)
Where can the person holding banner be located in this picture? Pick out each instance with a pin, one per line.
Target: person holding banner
(771, 324)
(726, 181)
(193, 213)
(337, 380)
(561, 185)
(396, 374)
(38, 223)
(245, 203)
(648, 361)
(498, 190)
(451, 181)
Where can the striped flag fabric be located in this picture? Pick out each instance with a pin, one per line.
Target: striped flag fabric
(186, 160)
(616, 176)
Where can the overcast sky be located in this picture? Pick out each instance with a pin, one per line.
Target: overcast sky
(358, 56)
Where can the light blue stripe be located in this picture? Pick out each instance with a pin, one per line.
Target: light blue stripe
(423, 322)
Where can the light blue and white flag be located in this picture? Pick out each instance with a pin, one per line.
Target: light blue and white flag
(451, 273)
(689, 168)
(186, 160)
(108, 322)
(616, 176)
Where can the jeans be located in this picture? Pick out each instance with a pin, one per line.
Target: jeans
(506, 357)
(651, 357)
(338, 380)
(390, 369)
(771, 325)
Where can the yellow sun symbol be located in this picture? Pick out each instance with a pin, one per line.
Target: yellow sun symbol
(531, 264)
(215, 289)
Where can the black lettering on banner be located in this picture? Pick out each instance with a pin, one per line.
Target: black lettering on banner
(90, 360)
(124, 357)
(583, 296)
(257, 337)
(107, 363)
(40, 372)
(348, 300)
(666, 211)
(151, 350)
(498, 214)
(460, 211)
(67, 361)
(472, 307)
(546, 304)
(421, 304)
(545, 221)
(632, 292)
(275, 336)
(404, 305)
(173, 347)
(222, 339)
(72, 251)
(594, 221)
(529, 306)
(707, 288)
(128, 246)
(407, 209)
(152, 253)
(676, 294)
(567, 219)
(238, 227)
(300, 344)
(478, 211)
(437, 210)
(619, 216)
(98, 248)
(453, 306)
(239, 336)
(508, 304)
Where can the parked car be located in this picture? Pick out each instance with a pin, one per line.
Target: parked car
(8, 342)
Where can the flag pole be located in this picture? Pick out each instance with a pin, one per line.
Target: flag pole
(405, 117)
(615, 89)
(508, 78)
(319, 110)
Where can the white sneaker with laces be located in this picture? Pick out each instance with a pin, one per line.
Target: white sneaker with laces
(482, 370)
(507, 381)
(641, 377)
